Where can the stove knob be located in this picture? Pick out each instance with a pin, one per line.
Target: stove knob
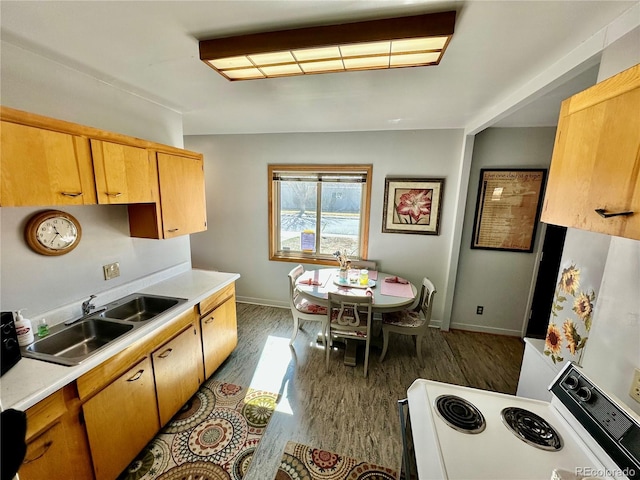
(584, 394)
(571, 382)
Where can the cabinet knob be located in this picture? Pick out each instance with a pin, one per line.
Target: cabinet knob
(72, 194)
(115, 195)
(209, 320)
(604, 214)
(171, 230)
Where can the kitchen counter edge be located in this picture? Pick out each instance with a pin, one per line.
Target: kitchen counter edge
(31, 381)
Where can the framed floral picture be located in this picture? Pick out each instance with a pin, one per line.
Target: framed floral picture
(412, 205)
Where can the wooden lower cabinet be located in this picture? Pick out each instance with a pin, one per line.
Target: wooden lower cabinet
(177, 367)
(219, 335)
(57, 445)
(121, 420)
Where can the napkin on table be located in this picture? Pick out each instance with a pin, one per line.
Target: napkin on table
(309, 281)
(396, 280)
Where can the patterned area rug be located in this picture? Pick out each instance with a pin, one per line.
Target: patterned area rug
(300, 462)
(213, 437)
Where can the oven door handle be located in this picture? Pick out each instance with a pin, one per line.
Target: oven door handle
(403, 410)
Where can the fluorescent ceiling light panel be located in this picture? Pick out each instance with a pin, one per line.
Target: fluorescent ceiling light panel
(418, 40)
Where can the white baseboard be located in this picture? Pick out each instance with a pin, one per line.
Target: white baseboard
(262, 301)
(485, 329)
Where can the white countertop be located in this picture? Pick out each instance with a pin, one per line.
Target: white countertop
(30, 381)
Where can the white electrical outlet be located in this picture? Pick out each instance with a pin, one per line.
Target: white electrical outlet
(111, 271)
(634, 391)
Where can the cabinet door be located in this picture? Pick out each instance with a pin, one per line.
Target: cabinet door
(596, 159)
(177, 367)
(121, 420)
(42, 167)
(182, 198)
(219, 335)
(124, 174)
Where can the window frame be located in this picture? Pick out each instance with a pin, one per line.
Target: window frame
(274, 203)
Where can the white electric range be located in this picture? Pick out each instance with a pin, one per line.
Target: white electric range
(462, 433)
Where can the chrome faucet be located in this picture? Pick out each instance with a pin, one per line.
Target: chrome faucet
(87, 307)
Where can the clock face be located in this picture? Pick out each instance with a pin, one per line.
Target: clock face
(53, 232)
(57, 233)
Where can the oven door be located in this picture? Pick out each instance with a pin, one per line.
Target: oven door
(409, 467)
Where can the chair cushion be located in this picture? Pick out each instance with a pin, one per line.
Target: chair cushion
(305, 306)
(404, 318)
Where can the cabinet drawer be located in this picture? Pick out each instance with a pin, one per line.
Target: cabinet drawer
(211, 302)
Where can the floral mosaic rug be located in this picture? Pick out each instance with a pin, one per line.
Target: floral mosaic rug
(300, 462)
(213, 437)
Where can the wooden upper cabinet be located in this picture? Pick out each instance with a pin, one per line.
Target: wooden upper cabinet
(595, 169)
(182, 195)
(124, 174)
(43, 167)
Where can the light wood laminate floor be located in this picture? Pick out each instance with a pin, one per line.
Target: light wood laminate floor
(340, 410)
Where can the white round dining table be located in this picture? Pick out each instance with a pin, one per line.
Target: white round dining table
(318, 294)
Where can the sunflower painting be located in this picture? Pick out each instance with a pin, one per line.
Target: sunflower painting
(575, 326)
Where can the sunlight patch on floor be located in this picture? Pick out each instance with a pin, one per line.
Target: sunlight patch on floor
(271, 371)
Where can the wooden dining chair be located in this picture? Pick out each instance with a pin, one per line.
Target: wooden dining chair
(410, 321)
(302, 309)
(350, 318)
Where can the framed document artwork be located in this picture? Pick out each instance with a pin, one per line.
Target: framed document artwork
(508, 209)
(412, 205)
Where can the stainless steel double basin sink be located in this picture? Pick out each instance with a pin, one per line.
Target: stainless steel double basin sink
(72, 342)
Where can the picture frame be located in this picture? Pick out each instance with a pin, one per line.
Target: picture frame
(508, 208)
(412, 205)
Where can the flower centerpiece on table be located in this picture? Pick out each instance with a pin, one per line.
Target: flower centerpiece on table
(342, 260)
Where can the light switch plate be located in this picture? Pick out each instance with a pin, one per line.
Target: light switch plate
(111, 270)
(634, 391)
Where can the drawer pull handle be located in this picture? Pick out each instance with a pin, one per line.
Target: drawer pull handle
(166, 353)
(44, 448)
(73, 195)
(603, 213)
(118, 194)
(136, 376)
(171, 230)
(209, 320)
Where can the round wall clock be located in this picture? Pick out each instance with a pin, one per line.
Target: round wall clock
(53, 232)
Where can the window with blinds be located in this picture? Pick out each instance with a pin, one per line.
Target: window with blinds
(316, 210)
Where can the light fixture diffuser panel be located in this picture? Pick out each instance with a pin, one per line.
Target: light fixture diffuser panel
(360, 49)
(274, 58)
(243, 74)
(366, 63)
(230, 62)
(310, 54)
(326, 66)
(413, 59)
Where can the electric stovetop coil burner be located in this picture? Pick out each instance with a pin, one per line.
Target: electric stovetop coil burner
(460, 414)
(531, 428)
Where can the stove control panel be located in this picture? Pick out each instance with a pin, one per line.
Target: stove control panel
(607, 423)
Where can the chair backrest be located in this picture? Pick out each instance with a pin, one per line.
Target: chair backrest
(350, 308)
(368, 264)
(293, 276)
(426, 298)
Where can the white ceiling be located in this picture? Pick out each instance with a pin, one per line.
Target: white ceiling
(150, 48)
